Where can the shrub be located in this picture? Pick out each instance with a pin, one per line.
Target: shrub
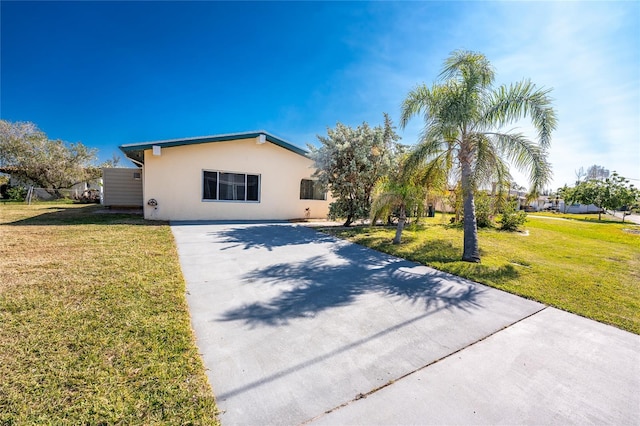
(512, 218)
(484, 210)
(17, 193)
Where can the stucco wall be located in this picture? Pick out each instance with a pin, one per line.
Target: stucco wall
(175, 180)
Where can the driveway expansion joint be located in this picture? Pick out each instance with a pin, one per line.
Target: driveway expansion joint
(392, 381)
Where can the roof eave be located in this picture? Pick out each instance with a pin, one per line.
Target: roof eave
(135, 151)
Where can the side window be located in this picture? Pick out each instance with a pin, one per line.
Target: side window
(311, 190)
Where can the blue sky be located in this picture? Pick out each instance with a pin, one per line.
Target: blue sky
(110, 73)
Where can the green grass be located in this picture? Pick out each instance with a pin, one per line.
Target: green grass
(581, 266)
(94, 325)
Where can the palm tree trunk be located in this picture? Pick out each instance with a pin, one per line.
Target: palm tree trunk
(401, 221)
(471, 252)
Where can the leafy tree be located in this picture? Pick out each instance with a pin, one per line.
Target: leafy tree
(591, 192)
(350, 162)
(28, 155)
(569, 195)
(612, 193)
(464, 117)
(620, 194)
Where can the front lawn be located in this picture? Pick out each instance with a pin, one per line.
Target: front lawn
(589, 268)
(94, 325)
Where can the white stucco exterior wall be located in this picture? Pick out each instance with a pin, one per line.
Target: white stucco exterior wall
(175, 180)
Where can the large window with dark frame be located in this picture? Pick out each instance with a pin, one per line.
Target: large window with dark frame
(311, 190)
(224, 186)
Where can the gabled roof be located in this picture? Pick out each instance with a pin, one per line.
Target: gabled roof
(135, 151)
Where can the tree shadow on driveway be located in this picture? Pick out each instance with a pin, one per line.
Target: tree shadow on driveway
(269, 236)
(338, 278)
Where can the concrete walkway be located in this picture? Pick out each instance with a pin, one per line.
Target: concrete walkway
(296, 327)
(630, 218)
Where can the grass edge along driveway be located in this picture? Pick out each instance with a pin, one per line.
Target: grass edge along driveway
(94, 324)
(586, 267)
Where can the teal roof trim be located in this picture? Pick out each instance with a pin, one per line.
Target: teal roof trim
(135, 151)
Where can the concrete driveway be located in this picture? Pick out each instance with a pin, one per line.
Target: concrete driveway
(297, 327)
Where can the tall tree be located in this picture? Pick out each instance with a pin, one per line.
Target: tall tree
(464, 120)
(28, 155)
(350, 162)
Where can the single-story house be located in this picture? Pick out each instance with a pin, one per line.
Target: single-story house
(239, 176)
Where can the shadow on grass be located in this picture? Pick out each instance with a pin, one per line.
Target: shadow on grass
(443, 255)
(87, 215)
(437, 253)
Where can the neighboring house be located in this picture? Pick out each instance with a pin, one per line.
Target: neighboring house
(551, 203)
(240, 176)
(122, 187)
(579, 208)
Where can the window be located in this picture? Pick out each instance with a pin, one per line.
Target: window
(137, 175)
(224, 186)
(311, 190)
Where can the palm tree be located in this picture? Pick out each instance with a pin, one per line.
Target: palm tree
(404, 190)
(464, 120)
(389, 198)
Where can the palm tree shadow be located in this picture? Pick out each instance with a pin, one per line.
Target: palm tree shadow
(438, 252)
(268, 236)
(325, 282)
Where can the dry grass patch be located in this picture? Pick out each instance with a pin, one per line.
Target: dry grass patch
(94, 322)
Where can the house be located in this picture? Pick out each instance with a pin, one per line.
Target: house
(239, 176)
(557, 204)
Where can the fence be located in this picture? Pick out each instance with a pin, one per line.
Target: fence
(31, 194)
